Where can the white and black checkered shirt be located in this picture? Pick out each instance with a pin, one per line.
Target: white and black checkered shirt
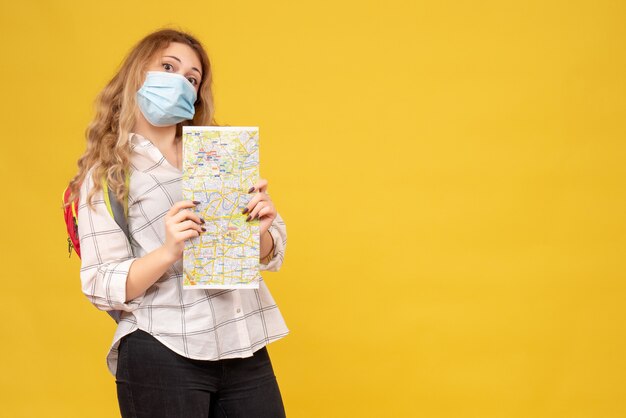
(198, 323)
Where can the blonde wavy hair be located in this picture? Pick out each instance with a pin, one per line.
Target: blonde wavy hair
(108, 147)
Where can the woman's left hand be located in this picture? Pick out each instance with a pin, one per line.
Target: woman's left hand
(260, 206)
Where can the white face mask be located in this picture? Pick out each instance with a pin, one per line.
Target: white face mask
(166, 99)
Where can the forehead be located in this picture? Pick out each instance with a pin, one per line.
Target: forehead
(183, 52)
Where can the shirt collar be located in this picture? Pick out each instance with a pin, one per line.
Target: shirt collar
(138, 139)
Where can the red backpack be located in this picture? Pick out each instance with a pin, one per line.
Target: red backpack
(117, 210)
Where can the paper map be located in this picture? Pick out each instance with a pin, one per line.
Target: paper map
(220, 164)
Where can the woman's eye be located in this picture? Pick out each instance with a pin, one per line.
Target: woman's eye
(168, 66)
(193, 81)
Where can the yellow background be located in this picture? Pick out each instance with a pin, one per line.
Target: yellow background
(451, 174)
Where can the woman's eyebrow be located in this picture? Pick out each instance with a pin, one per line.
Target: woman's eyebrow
(177, 59)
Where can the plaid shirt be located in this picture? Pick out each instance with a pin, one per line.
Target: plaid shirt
(206, 324)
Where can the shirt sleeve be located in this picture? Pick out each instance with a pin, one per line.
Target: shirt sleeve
(106, 254)
(279, 234)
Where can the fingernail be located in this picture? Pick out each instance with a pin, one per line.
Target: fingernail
(251, 189)
(195, 202)
(202, 221)
(248, 218)
(244, 211)
(203, 229)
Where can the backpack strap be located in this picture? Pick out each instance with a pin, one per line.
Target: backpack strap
(117, 210)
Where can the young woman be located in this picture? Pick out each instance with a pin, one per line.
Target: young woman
(175, 353)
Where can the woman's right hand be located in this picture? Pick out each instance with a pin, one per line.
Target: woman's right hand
(181, 225)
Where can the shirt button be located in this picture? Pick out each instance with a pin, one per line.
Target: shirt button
(238, 310)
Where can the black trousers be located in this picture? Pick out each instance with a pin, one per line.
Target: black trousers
(154, 381)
